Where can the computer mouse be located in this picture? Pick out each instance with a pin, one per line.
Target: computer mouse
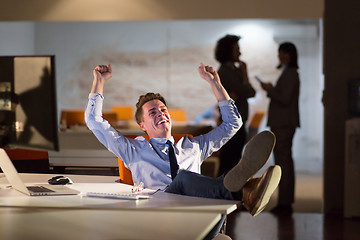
(59, 180)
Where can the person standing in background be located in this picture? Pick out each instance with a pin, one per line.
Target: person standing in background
(234, 77)
(283, 119)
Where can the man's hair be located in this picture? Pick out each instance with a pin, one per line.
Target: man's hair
(290, 48)
(144, 99)
(224, 48)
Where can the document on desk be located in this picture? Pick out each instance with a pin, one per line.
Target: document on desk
(127, 196)
(113, 190)
(144, 194)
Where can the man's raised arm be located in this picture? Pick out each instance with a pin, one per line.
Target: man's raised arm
(101, 73)
(211, 76)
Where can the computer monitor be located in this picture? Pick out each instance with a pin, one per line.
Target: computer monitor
(28, 109)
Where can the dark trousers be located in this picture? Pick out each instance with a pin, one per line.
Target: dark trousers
(231, 152)
(196, 185)
(283, 158)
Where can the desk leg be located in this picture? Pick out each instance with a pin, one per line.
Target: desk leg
(220, 226)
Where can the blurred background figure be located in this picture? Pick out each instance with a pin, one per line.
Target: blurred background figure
(234, 77)
(283, 119)
(209, 116)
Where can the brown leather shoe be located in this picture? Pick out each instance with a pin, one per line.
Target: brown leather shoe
(257, 191)
(256, 153)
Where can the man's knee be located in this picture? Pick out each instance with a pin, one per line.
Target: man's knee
(180, 181)
(184, 176)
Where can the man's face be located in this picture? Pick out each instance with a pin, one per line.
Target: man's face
(156, 119)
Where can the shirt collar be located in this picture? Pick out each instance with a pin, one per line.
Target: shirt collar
(162, 140)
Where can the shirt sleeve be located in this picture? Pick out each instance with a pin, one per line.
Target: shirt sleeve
(216, 138)
(112, 139)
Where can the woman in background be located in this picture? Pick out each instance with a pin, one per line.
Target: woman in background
(234, 77)
(283, 119)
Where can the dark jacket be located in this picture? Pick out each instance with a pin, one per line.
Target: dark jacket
(284, 104)
(232, 79)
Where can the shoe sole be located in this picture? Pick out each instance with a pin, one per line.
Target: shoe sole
(272, 179)
(253, 160)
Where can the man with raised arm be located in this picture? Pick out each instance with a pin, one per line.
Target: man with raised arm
(175, 167)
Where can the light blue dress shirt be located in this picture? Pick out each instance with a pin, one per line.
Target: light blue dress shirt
(149, 161)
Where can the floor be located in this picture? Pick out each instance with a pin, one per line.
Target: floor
(299, 226)
(306, 223)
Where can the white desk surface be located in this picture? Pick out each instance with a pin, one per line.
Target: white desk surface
(28, 223)
(85, 183)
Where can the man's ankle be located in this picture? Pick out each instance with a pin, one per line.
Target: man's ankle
(237, 195)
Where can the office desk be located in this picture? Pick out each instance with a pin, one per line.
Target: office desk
(160, 200)
(164, 216)
(87, 224)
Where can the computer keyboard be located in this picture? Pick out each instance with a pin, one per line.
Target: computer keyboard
(39, 189)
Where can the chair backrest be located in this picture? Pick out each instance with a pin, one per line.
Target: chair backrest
(177, 115)
(26, 154)
(111, 117)
(123, 112)
(124, 173)
(256, 119)
(70, 117)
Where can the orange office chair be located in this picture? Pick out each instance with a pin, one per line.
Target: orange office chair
(111, 117)
(177, 115)
(29, 161)
(70, 117)
(125, 174)
(123, 112)
(255, 123)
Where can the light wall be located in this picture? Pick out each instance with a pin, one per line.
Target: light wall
(17, 38)
(162, 56)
